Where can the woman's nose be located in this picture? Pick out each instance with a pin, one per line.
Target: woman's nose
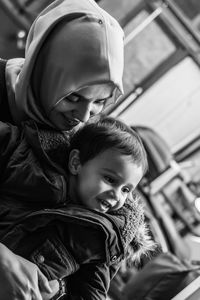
(84, 112)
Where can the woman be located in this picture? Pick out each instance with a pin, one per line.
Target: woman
(73, 68)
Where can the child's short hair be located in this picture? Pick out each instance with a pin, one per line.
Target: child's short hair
(97, 136)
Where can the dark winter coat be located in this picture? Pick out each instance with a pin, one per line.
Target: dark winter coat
(68, 241)
(71, 240)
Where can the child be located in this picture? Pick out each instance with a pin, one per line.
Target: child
(83, 242)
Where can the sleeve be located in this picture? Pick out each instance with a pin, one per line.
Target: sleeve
(91, 282)
(9, 139)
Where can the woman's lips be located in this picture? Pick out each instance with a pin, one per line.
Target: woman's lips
(71, 122)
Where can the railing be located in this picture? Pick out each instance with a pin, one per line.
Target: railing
(190, 292)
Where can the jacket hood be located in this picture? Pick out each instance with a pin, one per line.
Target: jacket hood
(72, 44)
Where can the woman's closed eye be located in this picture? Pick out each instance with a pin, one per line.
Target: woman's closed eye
(100, 102)
(73, 98)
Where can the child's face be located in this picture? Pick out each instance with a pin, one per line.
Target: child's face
(80, 106)
(105, 182)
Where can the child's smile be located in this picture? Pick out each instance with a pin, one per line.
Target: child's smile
(104, 205)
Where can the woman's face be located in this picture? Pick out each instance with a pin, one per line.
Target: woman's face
(80, 106)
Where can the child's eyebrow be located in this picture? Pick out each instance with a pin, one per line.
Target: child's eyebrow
(109, 170)
(113, 172)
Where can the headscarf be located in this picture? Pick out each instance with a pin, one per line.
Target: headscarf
(71, 45)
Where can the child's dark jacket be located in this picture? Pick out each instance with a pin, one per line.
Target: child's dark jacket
(70, 239)
(59, 240)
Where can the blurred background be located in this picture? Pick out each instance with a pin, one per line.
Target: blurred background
(161, 102)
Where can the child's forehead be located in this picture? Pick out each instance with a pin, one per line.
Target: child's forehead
(111, 154)
(115, 160)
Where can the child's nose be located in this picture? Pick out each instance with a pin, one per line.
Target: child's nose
(115, 194)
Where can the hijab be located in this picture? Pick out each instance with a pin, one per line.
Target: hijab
(72, 44)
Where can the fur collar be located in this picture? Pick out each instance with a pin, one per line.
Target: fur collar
(135, 234)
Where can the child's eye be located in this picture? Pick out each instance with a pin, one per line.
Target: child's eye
(109, 179)
(126, 190)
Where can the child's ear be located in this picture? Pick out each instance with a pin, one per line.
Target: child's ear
(74, 162)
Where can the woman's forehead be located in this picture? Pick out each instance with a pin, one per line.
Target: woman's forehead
(103, 90)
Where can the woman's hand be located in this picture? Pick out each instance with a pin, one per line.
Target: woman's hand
(13, 68)
(20, 279)
(54, 287)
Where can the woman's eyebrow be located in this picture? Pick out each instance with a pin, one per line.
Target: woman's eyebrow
(84, 98)
(76, 94)
(110, 96)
